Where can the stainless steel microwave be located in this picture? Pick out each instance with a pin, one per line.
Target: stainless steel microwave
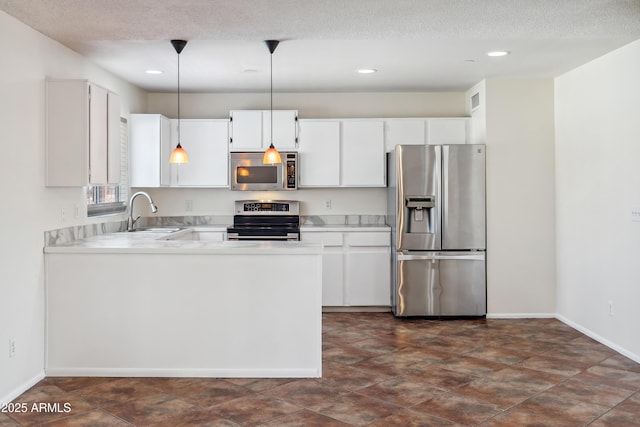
(248, 173)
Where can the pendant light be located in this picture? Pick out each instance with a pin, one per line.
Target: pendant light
(178, 155)
(271, 155)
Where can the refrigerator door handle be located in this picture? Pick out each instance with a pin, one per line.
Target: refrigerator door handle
(475, 256)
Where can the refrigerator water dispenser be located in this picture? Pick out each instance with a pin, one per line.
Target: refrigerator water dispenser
(421, 214)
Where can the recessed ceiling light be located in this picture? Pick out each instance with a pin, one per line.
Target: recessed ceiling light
(367, 71)
(154, 71)
(498, 53)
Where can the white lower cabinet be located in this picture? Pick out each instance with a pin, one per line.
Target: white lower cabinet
(369, 269)
(356, 267)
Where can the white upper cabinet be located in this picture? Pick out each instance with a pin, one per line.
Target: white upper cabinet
(153, 137)
(363, 155)
(448, 130)
(319, 153)
(205, 141)
(82, 134)
(150, 148)
(250, 130)
(404, 131)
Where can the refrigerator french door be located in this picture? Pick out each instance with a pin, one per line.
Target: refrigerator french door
(441, 284)
(437, 215)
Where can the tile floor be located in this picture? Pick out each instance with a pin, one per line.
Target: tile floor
(381, 371)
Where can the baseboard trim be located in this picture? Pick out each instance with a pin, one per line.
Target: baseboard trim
(600, 339)
(21, 388)
(194, 373)
(521, 315)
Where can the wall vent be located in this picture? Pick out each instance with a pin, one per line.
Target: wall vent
(475, 101)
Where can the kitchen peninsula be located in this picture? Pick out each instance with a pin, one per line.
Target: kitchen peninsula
(166, 304)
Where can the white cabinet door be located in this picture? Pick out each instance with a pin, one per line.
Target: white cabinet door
(363, 153)
(285, 129)
(368, 269)
(448, 130)
(78, 122)
(149, 147)
(98, 135)
(246, 130)
(250, 130)
(332, 265)
(114, 146)
(205, 141)
(404, 131)
(319, 153)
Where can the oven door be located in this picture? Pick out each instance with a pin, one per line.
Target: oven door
(247, 173)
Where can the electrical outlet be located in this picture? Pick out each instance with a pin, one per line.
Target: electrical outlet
(12, 348)
(327, 204)
(610, 308)
(188, 205)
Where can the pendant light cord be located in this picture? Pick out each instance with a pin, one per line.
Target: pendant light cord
(179, 138)
(271, 56)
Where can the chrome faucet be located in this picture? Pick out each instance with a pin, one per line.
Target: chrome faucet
(131, 222)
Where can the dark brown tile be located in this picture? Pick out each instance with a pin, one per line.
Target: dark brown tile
(96, 418)
(436, 376)
(75, 383)
(590, 391)
(304, 418)
(196, 417)
(203, 392)
(308, 394)
(157, 408)
(562, 410)
(501, 354)
(7, 421)
(356, 409)
(619, 361)
(400, 392)
(42, 390)
(471, 365)
(47, 408)
(114, 392)
(632, 404)
(459, 409)
(613, 377)
(564, 367)
(260, 384)
(350, 378)
(617, 418)
(410, 418)
(254, 410)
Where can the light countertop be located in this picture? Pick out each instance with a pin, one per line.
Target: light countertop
(178, 242)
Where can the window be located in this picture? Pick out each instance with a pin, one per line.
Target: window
(111, 199)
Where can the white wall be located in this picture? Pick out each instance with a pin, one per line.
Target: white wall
(28, 208)
(598, 183)
(520, 197)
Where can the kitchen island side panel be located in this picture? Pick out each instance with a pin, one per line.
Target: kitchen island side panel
(209, 315)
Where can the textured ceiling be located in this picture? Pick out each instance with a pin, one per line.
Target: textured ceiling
(417, 45)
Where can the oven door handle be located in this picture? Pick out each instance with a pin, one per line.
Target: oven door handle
(289, 236)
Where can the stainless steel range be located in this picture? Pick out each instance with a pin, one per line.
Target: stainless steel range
(265, 220)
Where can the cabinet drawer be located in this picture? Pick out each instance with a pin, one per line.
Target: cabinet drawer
(369, 239)
(327, 239)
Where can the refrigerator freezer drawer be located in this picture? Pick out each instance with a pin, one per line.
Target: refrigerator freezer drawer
(440, 284)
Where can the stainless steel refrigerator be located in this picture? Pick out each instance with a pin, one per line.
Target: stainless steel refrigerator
(436, 210)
